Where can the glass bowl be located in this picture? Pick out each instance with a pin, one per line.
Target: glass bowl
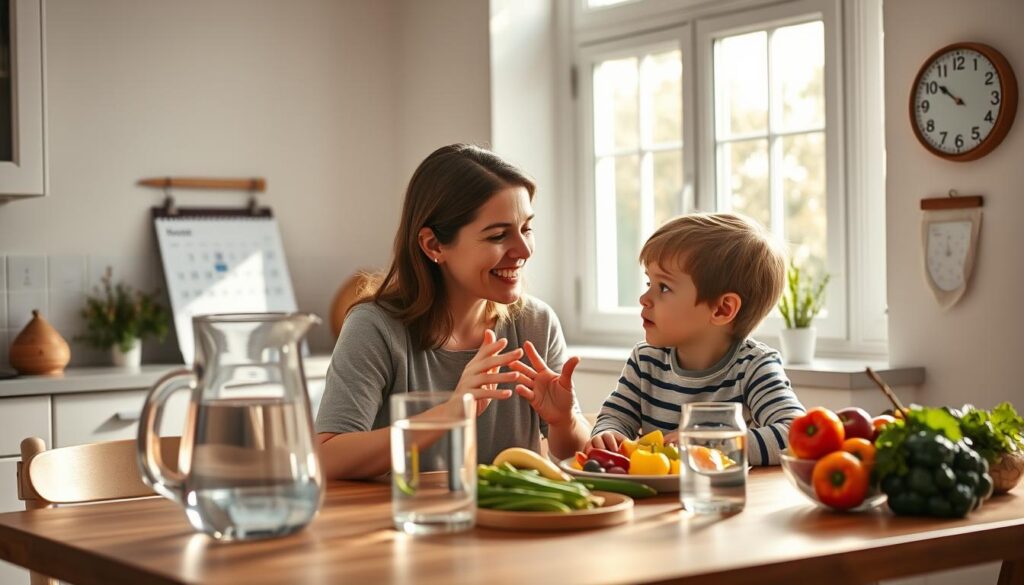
(798, 472)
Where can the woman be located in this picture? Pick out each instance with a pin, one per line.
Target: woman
(450, 303)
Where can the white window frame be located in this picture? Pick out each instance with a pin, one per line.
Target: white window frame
(614, 322)
(833, 323)
(854, 138)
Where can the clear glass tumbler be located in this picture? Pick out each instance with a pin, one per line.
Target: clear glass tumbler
(433, 462)
(713, 452)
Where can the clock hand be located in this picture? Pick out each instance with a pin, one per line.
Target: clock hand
(958, 101)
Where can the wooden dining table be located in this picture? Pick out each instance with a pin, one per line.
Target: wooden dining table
(779, 537)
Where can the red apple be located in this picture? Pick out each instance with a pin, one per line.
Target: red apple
(856, 423)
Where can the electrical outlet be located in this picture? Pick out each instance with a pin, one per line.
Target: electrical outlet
(26, 273)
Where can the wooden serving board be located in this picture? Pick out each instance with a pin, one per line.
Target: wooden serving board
(617, 509)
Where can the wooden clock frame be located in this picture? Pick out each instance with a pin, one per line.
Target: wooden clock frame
(1007, 113)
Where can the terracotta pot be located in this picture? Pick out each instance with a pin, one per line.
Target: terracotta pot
(39, 348)
(1007, 472)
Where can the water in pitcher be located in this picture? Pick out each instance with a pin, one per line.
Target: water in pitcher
(713, 474)
(425, 502)
(246, 480)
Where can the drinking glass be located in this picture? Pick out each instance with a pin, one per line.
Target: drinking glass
(713, 450)
(433, 462)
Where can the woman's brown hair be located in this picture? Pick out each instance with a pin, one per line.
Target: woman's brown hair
(445, 193)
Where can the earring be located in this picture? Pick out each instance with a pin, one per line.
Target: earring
(437, 260)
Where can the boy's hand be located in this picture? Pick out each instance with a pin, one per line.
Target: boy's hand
(608, 440)
(672, 438)
(548, 392)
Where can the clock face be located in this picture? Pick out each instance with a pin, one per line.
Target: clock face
(957, 101)
(948, 245)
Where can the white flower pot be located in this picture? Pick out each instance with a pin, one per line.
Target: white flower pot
(131, 359)
(798, 344)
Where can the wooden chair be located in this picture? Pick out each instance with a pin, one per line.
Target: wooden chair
(358, 286)
(82, 474)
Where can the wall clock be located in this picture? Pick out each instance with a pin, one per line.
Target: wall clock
(949, 238)
(963, 101)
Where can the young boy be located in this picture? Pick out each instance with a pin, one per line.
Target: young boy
(713, 279)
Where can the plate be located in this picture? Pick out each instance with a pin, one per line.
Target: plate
(662, 483)
(617, 509)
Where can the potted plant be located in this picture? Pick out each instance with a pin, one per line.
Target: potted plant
(802, 300)
(118, 318)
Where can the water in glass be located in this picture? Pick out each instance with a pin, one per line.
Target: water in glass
(713, 474)
(433, 465)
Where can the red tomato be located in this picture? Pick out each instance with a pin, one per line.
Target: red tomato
(816, 434)
(840, 480)
(862, 449)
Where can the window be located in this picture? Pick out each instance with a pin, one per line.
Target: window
(739, 112)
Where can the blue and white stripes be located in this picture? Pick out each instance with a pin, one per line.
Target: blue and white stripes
(653, 388)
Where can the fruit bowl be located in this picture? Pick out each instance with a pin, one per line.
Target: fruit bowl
(798, 472)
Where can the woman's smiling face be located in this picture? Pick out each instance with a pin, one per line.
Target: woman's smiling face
(486, 259)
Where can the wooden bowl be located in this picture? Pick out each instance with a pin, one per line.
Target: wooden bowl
(39, 349)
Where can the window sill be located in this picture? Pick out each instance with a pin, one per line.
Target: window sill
(825, 373)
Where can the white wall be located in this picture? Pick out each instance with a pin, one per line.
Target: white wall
(971, 352)
(524, 84)
(443, 78)
(334, 102)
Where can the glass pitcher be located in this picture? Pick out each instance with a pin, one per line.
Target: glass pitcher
(247, 466)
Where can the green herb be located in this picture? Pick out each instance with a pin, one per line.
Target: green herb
(118, 315)
(802, 299)
(994, 432)
(891, 457)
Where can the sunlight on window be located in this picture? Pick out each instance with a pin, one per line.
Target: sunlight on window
(770, 133)
(638, 158)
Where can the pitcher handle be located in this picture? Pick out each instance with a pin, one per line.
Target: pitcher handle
(155, 472)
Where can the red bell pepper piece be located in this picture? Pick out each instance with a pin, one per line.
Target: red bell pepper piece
(608, 459)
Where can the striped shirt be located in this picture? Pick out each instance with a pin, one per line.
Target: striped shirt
(653, 387)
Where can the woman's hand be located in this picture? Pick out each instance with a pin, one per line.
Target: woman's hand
(548, 392)
(481, 378)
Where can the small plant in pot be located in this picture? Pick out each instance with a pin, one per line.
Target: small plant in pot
(118, 318)
(802, 300)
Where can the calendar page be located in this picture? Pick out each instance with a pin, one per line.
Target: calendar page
(222, 264)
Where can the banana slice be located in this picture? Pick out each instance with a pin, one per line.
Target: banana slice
(525, 459)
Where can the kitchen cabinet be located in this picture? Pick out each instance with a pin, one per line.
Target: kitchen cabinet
(22, 100)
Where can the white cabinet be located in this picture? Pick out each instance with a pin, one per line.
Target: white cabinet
(20, 418)
(91, 417)
(22, 112)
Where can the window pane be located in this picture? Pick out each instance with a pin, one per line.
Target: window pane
(668, 186)
(663, 86)
(741, 85)
(616, 124)
(627, 229)
(803, 185)
(743, 178)
(798, 76)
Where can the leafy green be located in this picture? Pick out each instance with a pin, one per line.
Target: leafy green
(891, 457)
(994, 432)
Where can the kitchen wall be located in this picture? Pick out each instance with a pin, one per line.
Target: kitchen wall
(972, 351)
(334, 102)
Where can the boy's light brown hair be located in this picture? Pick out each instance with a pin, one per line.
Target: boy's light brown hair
(722, 253)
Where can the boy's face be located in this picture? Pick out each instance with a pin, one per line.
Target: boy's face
(672, 317)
